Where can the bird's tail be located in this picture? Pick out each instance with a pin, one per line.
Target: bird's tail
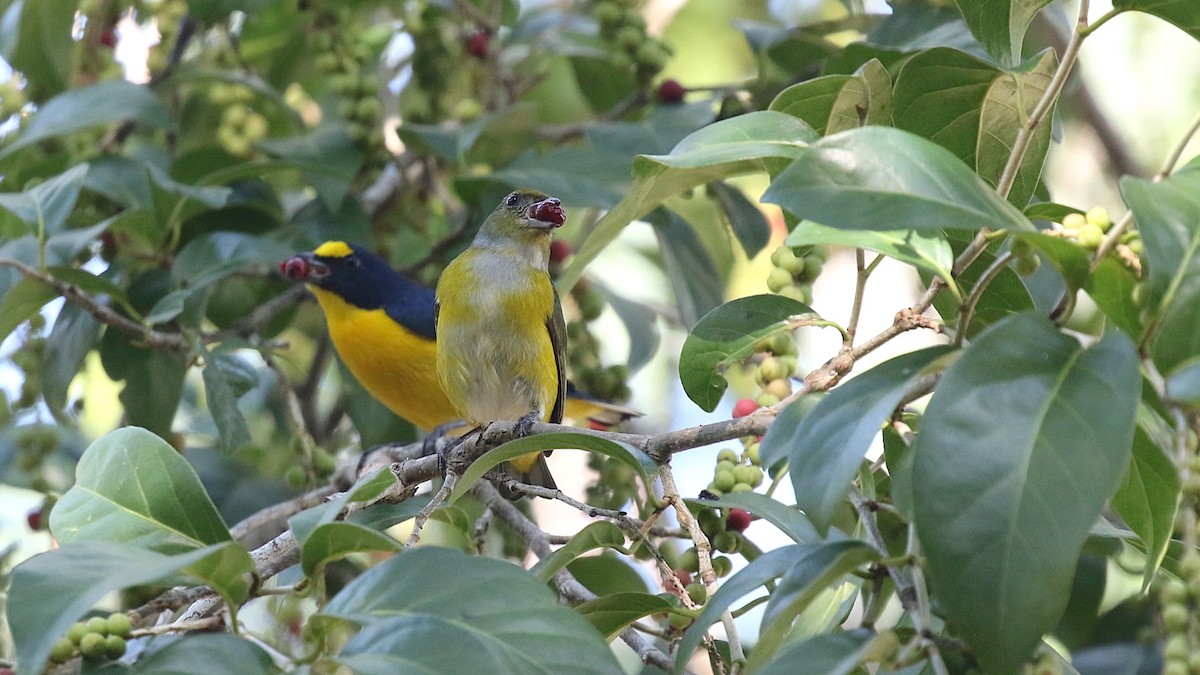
(537, 474)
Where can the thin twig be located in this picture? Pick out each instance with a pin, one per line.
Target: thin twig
(428, 509)
(967, 311)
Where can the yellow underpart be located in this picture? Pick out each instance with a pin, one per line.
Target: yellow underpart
(334, 249)
(395, 365)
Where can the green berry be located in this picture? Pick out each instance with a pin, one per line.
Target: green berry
(782, 344)
(689, 560)
(119, 624)
(766, 400)
(62, 651)
(1175, 617)
(797, 293)
(1175, 668)
(76, 632)
(591, 304)
(746, 474)
(812, 269)
(779, 279)
(1194, 662)
(722, 565)
(780, 388)
(697, 592)
(1021, 248)
(742, 487)
(773, 368)
(608, 13)
(1027, 265)
(1098, 215)
(1074, 221)
(726, 464)
(679, 621)
(716, 492)
(727, 455)
(97, 624)
(1176, 648)
(724, 480)
(782, 256)
(114, 646)
(296, 476)
(752, 454)
(727, 542)
(92, 646)
(1090, 236)
(1174, 591)
(1136, 246)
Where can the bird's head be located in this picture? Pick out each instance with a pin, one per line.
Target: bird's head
(349, 271)
(525, 216)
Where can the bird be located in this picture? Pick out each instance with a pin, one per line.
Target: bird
(381, 324)
(501, 336)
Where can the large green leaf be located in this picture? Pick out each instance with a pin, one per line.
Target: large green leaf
(879, 178)
(1182, 13)
(787, 518)
(835, 103)
(928, 251)
(827, 445)
(832, 654)
(726, 336)
(612, 614)
(727, 148)
(74, 334)
(1148, 499)
(689, 267)
(439, 610)
(1111, 286)
(746, 221)
(1027, 436)
(45, 207)
(1000, 25)
(104, 103)
(328, 158)
(52, 590)
(22, 301)
(42, 45)
(811, 562)
(333, 541)
(220, 392)
(1168, 217)
(204, 654)
(597, 535)
(133, 488)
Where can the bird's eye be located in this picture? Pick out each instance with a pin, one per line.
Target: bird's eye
(353, 261)
(512, 199)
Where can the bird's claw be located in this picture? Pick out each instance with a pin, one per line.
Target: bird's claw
(525, 424)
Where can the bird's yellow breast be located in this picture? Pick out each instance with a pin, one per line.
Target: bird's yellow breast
(395, 365)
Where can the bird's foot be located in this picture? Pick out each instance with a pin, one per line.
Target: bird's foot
(524, 425)
(443, 451)
(429, 444)
(365, 459)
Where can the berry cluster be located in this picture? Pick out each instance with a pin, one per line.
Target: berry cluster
(1088, 231)
(795, 271)
(737, 473)
(616, 485)
(241, 127)
(95, 50)
(323, 466)
(1180, 597)
(12, 97)
(96, 639)
(724, 529)
(348, 69)
(583, 349)
(624, 29)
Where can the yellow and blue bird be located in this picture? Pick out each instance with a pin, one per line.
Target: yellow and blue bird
(501, 337)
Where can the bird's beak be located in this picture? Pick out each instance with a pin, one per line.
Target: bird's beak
(304, 267)
(546, 214)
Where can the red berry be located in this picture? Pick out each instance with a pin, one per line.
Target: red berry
(684, 577)
(34, 519)
(671, 91)
(294, 268)
(477, 44)
(597, 425)
(737, 520)
(109, 38)
(559, 250)
(744, 407)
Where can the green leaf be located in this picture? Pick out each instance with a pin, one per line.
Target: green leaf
(74, 334)
(749, 224)
(1168, 216)
(1071, 260)
(622, 452)
(327, 157)
(928, 251)
(828, 104)
(1005, 112)
(1183, 386)
(730, 147)
(439, 610)
(640, 321)
(1182, 13)
(222, 399)
(45, 207)
(878, 178)
(813, 572)
(1111, 286)
(768, 566)
(334, 541)
(42, 50)
(153, 380)
(104, 103)
(1148, 499)
(1004, 501)
(600, 534)
(54, 589)
(133, 488)
(829, 443)
(790, 521)
(204, 654)
(726, 336)
(608, 573)
(611, 614)
(21, 302)
(832, 654)
(368, 488)
(1000, 25)
(689, 266)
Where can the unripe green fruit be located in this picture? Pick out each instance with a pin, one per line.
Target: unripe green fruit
(766, 400)
(1191, 486)
(697, 592)
(323, 462)
(726, 464)
(779, 279)
(1189, 565)
(1194, 663)
(782, 344)
(607, 13)
(1174, 591)
(591, 304)
(296, 476)
(652, 55)
(727, 455)
(92, 646)
(722, 566)
(748, 474)
(630, 38)
(679, 621)
(62, 651)
(773, 368)
(1021, 248)
(1098, 215)
(1136, 246)
(727, 542)
(1027, 265)
(782, 256)
(752, 454)
(76, 632)
(114, 646)
(1175, 668)
(119, 624)
(781, 388)
(716, 492)
(796, 293)
(689, 560)
(1175, 617)
(812, 269)
(742, 487)
(1074, 221)
(724, 480)
(1176, 648)
(97, 624)
(1090, 236)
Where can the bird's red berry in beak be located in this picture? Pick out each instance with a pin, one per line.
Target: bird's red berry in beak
(295, 268)
(548, 211)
